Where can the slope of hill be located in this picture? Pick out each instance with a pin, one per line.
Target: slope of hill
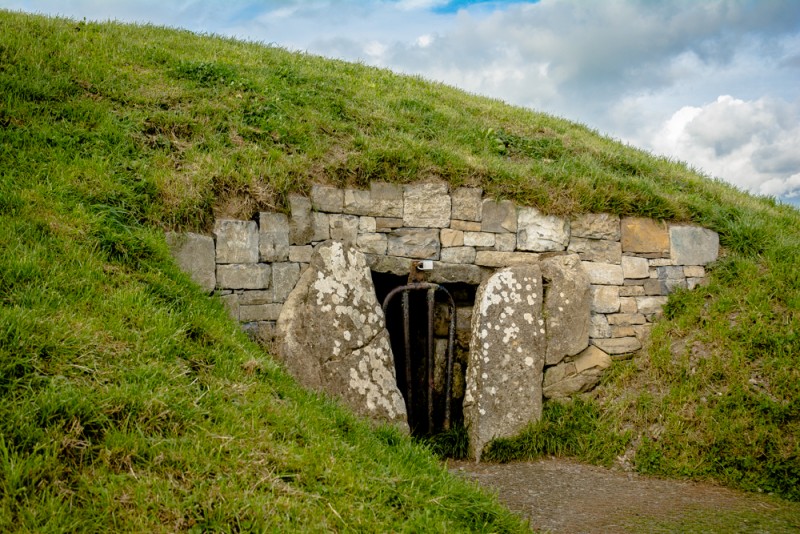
(129, 401)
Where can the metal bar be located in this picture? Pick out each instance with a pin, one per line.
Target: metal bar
(407, 338)
(431, 356)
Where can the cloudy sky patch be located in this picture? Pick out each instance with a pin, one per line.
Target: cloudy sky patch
(713, 83)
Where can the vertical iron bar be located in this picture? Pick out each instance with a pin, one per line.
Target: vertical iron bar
(431, 357)
(451, 333)
(407, 338)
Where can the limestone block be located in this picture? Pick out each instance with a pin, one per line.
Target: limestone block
(624, 319)
(694, 271)
(273, 237)
(507, 352)
(327, 198)
(499, 216)
(344, 227)
(243, 276)
(578, 376)
(505, 242)
(567, 302)
(654, 286)
(301, 228)
(426, 205)
(618, 345)
(604, 273)
(374, 243)
(357, 202)
(478, 239)
(284, 278)
(596, 226)
(491, 258)
(599, 327)
(452, 238)
(259, 312)
(632, 291)
(623, 330)
(465, 226)
(448, 273)
(541, 233)
(692, 245)
(467, 204)
(634, 268)
(418, 243)
(660, 262)
(333, 335)
(257, 296)
(300, 254)
(320, 227)
(599, 250)
(386, 200)
(628, 305)
(367, 225)
(651, 305)
(458, 255)
(671, 277)
(387, 224)
(237, 241)
(195, 255)
(644, 236)
(605, 299)
(231, 303)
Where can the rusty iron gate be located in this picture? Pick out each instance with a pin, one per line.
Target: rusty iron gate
(429, 356)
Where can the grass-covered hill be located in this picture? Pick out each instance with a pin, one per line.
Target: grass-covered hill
(128, 399)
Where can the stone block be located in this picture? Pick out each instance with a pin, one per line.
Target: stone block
(273, 237)
(388, 264)
(256, 296)
(635, 268)
(624, 319)
(605, 299)
(387, 224)
(386, 200)
(604, 273)
(465, 226)
(467, 204)
(671, 277)
(243, 276)
(231, 303)
(458, 255)
(599, 327)
(654, 286)
(692, 245)
(651, 305)
(499, 216)
(540, 233)
(642, 331)
(567, 302)
(426, 205)
(491, 258)
(694, 271)
(644, 236)
(357, 202)
(259, 312)
(478, 239)
(505, 242)
(284, 278)
(300, 254)
(596, 226)
(660, 262)
(599, 250)
(417, 243)
(623, 330)
(320, 227)
(237, 241)
(195, 255)
(632, 291)
(618, 346)
(448, 273)
(452, 238)
(578, 376)
(367, 225)
(692, 283)
(374, 243)
(344, 228)
(301, 229)
(628, 305)
(327, 198)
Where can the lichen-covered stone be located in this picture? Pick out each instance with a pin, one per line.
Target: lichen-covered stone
(467, 203)
(507, 352)
(644, 236)
(541, 233)
(599, 250)
(426, 205)
(418, 243)
(273, 237)
(499, 216)
(237, 241)
(578, 376)
(566, 307)
(692, 245)
(194, 254)
(333, 335)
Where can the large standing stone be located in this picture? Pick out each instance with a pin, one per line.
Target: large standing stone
(237, 241)
(194, 254)
(541, 233)
(333, 335)
(644, 236)
(691, 245)
(418, 243)
(426, 206)
(567, 305)
(273, 237)
(507, 351)
(582, 374)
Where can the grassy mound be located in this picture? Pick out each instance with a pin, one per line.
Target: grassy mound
(129, 401)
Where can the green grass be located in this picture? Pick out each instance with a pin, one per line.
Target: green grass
(130, 401)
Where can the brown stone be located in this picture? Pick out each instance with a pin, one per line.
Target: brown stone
(644, 236)
(499, 216)
(596, 226)
(467, 204)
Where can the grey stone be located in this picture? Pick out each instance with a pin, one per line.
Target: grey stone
(567, 302)
(231, 303)
(491, 258)
(671, 278)
(426, 205)
(334, 338)
(194, 254)
(326, 198)
(692, 283)
(605, 299)
(367, 225)
(635, 268)
(596, 226)
(467, 204)
(604, 273)
(448, 273)
(598, 250)
(452, 238)
(320, 227)
(344, 227)
(619, 345)
(651, 305)
(599, 327)
(632, 291)
(418, 243)
(259, 312)
(389, 264)
(301, 230)
(478, 239)
(499, 216)
(654, 286)
(541, 233)
(578, 376)
(273, 237)
(458, 255)
(505, 242)
(257, 296)
(300, 254)
(237, 241)
(357, 202)
(386, 200)
(691, 245)
(465, 226)
(374, 243)
(507, 352)
(625, 319)
(243, 276)
(284, 278)
(644, 236)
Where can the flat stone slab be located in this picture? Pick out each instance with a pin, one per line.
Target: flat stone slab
(237, 241)
(692, 245)
(504, 374)
(194, 254)
(644, 236)
(418, 243)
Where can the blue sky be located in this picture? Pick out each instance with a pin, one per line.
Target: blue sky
(713, 83)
